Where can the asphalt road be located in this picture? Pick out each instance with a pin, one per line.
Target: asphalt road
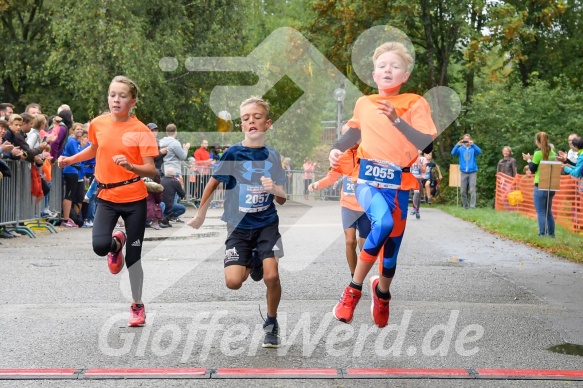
(462, 298)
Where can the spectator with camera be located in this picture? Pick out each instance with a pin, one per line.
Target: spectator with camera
(467, 151)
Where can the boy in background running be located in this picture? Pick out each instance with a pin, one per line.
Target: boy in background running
(353, 217)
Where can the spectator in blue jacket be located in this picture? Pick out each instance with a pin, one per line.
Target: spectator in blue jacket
(467, 152)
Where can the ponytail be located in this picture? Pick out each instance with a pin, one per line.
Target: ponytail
(542, 138)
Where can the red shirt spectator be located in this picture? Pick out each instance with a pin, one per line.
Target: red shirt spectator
(203, 158)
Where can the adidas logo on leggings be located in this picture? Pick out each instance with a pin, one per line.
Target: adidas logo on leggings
(136, 243)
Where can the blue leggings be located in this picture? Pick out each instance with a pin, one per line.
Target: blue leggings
(387, 211)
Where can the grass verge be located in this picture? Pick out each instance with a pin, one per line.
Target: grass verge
(522, 229)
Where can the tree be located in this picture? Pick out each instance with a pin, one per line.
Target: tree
(22, 53)
(528, 32)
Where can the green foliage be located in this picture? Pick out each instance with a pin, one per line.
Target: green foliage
(83, 44)
(23, 50)
(539, 36)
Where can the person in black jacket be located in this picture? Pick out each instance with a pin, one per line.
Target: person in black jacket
(158, 160)
(172, 187)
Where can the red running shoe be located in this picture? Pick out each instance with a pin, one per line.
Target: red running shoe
(344, 309)
(379, 308)
(137, 315)
(115, 259)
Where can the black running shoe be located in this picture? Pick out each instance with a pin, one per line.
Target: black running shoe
(271, 339)
(256, 267)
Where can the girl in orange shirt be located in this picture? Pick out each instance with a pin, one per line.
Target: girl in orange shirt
(127, 155)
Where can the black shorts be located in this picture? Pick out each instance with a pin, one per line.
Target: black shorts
(74, 190)
(241, 242)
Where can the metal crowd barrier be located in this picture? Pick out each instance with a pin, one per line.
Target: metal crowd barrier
(19, 211)
(296, 187)
(195, 181)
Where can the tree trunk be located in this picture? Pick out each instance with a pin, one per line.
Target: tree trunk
(10, 91)
(427, 27)
(524, 73)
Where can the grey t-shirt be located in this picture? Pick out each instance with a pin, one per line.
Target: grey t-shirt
(175, 155)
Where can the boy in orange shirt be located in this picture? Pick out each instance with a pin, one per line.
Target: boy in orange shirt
(353, 217)
(124, 149)
(392, 128)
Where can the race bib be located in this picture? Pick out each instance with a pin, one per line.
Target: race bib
(348, 186)
(415, 170)
(379, 173)
(253, 198)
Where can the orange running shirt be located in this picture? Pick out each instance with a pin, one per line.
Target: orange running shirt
(346, 164)
(130, 138)
(381, 140)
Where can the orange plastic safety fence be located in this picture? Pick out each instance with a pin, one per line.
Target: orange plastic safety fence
(515, 195)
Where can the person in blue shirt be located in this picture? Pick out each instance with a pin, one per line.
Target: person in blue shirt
(253, 178)
(89, 205)
(73, 176)
(467, 152)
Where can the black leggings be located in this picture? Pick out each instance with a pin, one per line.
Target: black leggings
(307, 182)
(134, 217)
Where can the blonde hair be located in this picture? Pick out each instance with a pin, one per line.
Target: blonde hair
(397, 48)
(255, 101)
(14, 117)
(75, 126)
(63, 107)
(39, 122)
(131, 84)
(508, 148)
